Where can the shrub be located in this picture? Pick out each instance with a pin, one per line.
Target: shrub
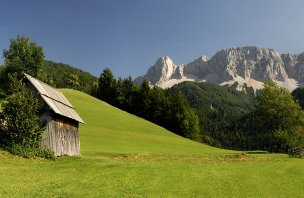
(296, 152)
(30, 152)
(23, 129)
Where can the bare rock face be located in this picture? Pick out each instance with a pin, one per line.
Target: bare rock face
(198, 67)
(159, 73)
(246, 66)
(294, 64)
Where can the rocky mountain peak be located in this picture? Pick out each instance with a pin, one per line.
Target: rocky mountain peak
(160, 72)
(246, 66)
(202, 59)
(164, 60)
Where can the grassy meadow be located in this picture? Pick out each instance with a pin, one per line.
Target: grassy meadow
(126, 156)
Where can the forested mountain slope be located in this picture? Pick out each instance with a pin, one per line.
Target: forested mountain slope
(62, 75)
(219, 108)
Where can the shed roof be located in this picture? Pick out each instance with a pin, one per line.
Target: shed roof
(54, 99)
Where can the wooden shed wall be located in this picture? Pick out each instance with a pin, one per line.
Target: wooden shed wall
(61, 135)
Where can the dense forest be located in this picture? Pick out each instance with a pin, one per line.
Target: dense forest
(219, 109)
(61, 75)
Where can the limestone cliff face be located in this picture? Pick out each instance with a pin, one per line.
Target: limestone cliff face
(246, 66)
(159, 73)
(294, 64)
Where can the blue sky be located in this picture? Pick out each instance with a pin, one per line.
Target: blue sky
(129, 35)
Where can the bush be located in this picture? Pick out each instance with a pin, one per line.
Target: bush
(22, 130)
(30, 152)
(296, 152)
(45, 153)
(23, 126)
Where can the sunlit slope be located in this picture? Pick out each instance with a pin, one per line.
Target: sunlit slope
(109, 129)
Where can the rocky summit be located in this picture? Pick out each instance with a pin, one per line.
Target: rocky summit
(243, 66)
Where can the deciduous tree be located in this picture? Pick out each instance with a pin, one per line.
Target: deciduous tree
(23, 56)
(22, 131)
(277, 119)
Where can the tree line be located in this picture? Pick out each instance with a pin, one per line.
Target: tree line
(163, 107)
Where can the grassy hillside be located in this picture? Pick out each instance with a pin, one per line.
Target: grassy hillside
(125, 156)
(109, 129)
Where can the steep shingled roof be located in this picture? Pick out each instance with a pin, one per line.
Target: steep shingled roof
(54, 99)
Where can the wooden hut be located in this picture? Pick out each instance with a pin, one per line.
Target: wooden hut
(62, 121)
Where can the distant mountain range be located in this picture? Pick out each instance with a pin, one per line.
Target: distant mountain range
(243, 66)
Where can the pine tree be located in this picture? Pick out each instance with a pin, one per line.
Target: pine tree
(106, 86)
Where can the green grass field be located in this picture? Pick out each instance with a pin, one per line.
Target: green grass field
(126, 156)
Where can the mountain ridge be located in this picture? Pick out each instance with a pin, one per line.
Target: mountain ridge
(247, 66)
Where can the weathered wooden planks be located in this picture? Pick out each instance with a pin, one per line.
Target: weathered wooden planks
(61, 136)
